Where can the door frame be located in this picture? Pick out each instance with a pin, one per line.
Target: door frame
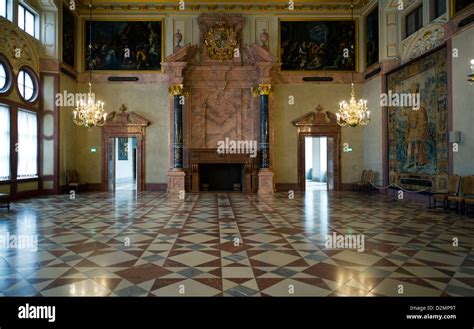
(124, 124)
(140, 158)
(318, 124)
(111, 163)
(302, 158)
(140, 151)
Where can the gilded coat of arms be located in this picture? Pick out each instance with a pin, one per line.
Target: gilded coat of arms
(221, 42)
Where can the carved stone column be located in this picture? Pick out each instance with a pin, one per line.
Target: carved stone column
(266, 184)
(263, 93)
(177, 92)
(174, 67)
(176, 177)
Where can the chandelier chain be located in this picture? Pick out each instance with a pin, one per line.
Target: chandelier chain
(89, 112)
(353, 113)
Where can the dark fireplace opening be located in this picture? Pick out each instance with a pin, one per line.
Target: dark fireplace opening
(221, 177)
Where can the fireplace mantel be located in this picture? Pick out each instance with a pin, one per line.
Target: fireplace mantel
(220, 100)
(211, 156)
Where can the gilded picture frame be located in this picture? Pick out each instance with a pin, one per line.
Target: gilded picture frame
(323, 30)
(138, 52)
(371, 37)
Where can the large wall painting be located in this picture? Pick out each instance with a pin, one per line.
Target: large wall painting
(69, 40)
(318, 45)
(372, 37)
(418, 136)
(460, 4)
(125, 45)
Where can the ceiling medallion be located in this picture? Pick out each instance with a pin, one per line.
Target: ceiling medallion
(221, 42)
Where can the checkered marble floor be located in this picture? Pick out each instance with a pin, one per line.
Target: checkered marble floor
(232, 244)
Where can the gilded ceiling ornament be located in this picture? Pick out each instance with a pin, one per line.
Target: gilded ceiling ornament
(221, 42)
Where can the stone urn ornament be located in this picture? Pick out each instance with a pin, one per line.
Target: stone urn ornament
(178, 37)
(264, 39)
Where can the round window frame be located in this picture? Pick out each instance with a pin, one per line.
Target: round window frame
(10, 76)
(35, 80)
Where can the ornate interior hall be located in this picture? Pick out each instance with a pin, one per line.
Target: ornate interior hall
(236, 148)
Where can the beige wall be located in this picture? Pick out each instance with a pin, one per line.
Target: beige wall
(148, 100)
(152, 102)
(67, 130)
(373, 132)
(307, 97)
(463, 95)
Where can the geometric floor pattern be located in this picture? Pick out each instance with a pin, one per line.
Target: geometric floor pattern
(233, 244)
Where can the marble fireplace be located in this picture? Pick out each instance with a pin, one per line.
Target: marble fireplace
(220, 89)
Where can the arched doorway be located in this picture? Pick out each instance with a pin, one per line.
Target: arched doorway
(128, 126)
(324, 125)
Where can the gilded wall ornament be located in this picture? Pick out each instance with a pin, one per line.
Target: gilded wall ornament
(177, 90)
(423, 41)
(221, 41)
(18, 47)
(262, 89)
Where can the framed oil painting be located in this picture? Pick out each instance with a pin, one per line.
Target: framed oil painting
(125, 45)
(69, 39)
(458, 5)
(418, 137)
(372, 37)
(318, 45)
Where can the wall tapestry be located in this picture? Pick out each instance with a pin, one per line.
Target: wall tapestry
(418, 136)
(317, 45)
(125, 45)
(69, 39)
(372, 37)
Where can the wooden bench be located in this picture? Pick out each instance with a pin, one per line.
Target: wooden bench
(5, 198)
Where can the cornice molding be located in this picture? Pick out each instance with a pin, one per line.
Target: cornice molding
(242, 6)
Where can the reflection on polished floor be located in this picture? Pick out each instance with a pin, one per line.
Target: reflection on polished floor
(311, 185)
(226, 244)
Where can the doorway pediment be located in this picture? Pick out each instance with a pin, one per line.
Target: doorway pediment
(125, 118)
(316, 118)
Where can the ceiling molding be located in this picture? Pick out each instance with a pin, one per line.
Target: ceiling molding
(194, 6)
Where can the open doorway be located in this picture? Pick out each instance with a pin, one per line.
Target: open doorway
(323, 126)
(316, 163)
(122, 163)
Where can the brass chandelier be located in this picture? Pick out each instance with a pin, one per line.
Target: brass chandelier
(471, 76)
(353, 113)
(90, 113)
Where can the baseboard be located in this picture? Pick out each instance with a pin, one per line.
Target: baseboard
(87, 187)
(97, 187)
(156, 187)
(48, 192)
(25, 195)
(285, 187)
(422, 197)
(347, 187)
(93, 187)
